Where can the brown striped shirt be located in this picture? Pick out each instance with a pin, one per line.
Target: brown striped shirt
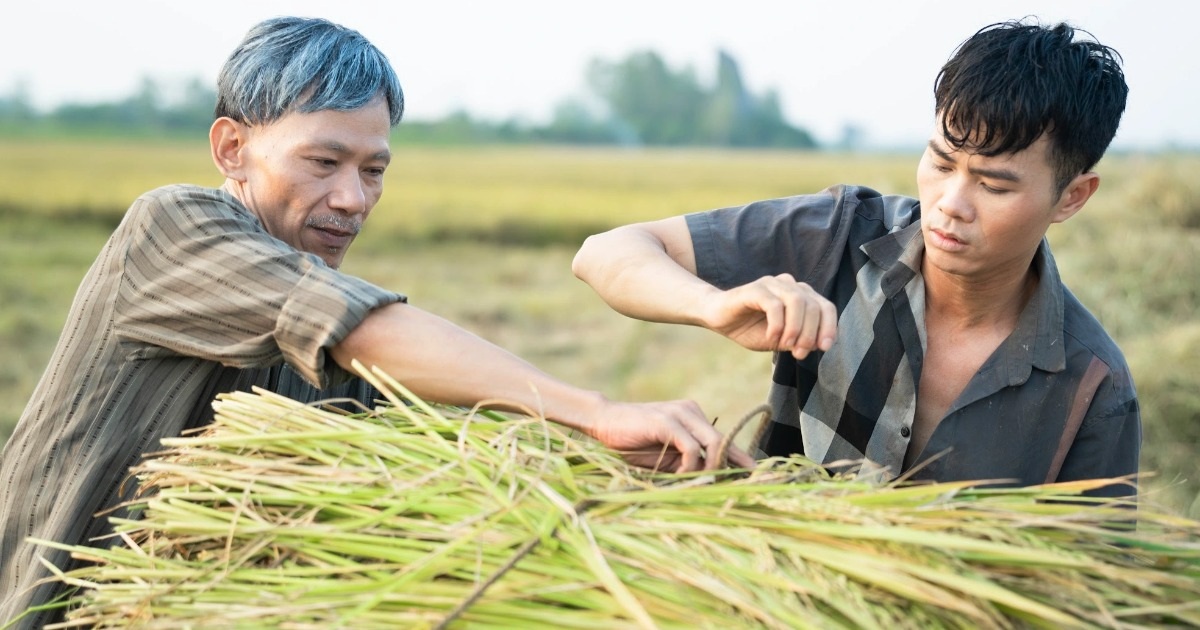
(189, 297)
(1055, 401)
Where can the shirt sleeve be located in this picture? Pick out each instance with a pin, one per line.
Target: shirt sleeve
(802, 235)
(737, 245)
(202, 278)
(1109, 441)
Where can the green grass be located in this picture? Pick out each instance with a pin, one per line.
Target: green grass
(484, 236)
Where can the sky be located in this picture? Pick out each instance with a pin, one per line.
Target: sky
(832, 63)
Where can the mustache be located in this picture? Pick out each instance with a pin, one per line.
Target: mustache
(335, 222)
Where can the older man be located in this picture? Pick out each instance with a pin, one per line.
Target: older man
(201, 291)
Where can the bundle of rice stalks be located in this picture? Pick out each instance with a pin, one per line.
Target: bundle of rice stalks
(414, 515)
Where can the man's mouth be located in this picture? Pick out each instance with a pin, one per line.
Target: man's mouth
(334, 232)
(946, 240)
(334, 224)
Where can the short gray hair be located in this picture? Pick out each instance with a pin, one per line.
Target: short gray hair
(288, 64)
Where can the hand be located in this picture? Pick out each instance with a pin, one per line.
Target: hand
(673, 436)
(774, 313)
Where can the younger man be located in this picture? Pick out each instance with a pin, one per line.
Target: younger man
(930, 337)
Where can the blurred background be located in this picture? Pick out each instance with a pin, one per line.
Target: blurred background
(531, 125)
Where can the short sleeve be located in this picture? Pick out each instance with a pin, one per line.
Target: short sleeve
(795, 235)
(202, 278)
(1108, 445)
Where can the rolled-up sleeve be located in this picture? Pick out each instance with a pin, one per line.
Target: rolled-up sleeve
(202, 278)
(737, 245)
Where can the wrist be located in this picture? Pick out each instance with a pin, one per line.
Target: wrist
(575, 408)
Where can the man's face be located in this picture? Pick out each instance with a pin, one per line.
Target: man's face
(983, 217)
(313, 178)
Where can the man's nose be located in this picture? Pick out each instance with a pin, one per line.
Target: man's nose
(956, 201)
(349, 194)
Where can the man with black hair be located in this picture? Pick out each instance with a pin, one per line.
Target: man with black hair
(930, 337)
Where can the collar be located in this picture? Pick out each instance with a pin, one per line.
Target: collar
(899, 253)
(1037, 340)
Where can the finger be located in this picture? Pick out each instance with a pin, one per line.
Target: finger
(712, 455)
(775, 312)
(794, 317)
(829, 322)
(740, 459)
(689, 451)
(806, 340)
(711, 440)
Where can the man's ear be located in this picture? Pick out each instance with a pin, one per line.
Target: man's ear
(227, 141)
(1075, 195)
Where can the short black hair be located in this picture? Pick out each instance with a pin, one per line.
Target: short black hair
(1012, 81)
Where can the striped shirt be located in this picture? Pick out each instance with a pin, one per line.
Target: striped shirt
(189, 297)
(1055, 401)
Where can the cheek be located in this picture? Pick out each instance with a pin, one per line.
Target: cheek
(927, 189)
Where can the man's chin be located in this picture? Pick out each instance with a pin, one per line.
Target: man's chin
(333, 259)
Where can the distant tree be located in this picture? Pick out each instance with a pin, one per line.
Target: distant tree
(635, 101)
(17, 107)
(194, 109)
(852, 138)
(660, 106)
(574, 122)
(728, 114)
(665, 107)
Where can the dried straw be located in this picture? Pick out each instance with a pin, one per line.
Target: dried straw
(415, 515)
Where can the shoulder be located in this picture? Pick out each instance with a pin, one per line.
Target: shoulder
(892, 212)
(187, 206)
(180, 196)
(836, 205)
(1087, 340)
(1087, 334)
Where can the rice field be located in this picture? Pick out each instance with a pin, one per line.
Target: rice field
(485, 236)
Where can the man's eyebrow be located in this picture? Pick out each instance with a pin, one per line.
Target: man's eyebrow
(939, 151)
(341, 149)
(994, 173)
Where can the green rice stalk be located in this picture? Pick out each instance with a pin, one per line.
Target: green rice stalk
(418, 515)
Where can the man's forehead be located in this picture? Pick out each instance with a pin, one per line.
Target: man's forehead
(971, 147)
(363, 130)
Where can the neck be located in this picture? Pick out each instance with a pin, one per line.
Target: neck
(242, 194)
(977, 303)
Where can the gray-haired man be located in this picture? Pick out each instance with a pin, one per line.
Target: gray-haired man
(203, 290)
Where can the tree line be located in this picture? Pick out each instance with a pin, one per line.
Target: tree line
(636, 101)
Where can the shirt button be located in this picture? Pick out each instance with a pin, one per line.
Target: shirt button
(905, 432)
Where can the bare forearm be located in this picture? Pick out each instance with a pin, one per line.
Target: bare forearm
(441, 362)
(635, 273)
(444, 363)
(648, 271)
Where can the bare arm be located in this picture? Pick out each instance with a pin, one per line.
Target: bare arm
(442, 362)
(648, 271)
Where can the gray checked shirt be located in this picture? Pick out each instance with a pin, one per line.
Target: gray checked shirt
(1054, 402)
